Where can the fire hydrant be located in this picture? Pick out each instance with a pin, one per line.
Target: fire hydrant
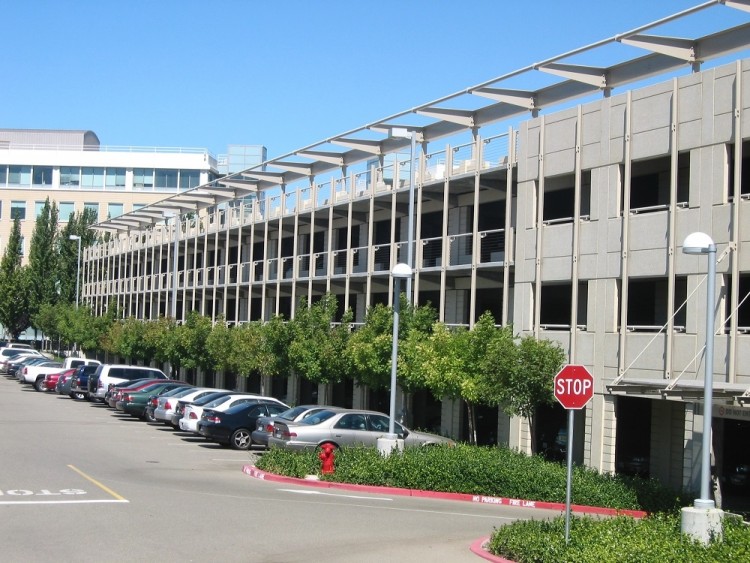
(326, 456)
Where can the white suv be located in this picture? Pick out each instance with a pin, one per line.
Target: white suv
(105, 374)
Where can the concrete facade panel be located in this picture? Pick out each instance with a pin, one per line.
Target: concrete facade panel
(556, 269)
(557, 240)
(648, 231)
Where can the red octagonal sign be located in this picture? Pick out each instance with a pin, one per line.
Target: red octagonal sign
(574, 387)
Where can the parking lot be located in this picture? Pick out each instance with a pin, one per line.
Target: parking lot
(81, 482)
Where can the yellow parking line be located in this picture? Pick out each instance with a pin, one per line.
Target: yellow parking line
(97, 483)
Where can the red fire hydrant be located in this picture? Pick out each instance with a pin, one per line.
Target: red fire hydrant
(326, 456)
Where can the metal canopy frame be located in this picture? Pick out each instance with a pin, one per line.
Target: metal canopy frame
(665, 54)
(692, 389)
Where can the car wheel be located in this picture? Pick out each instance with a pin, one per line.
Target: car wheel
(149, 416)
(39, 384)
(240, 439)
(78, 396)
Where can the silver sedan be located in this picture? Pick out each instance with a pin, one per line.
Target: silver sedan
(344, 428)
(264, 426)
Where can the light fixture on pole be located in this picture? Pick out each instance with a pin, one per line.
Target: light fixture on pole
(702, 520)
(399, 272)
(405, 133)
(78, 263)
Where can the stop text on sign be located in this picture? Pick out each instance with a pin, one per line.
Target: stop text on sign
(573, 386)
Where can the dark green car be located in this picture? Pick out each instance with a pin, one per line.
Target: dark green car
(135, 403)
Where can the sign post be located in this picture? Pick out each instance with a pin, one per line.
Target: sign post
(574, 387)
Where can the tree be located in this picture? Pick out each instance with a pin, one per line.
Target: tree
(219, 345)
(318, 346)
(191, 339)
(67, 251)
(43, 260)
(464, 364)
(371, 345)
(14, 289)
(529, 385)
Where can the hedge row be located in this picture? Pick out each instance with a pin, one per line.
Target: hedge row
(490, 471)
(653, 539)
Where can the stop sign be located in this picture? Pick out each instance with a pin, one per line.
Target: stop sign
(574, 387)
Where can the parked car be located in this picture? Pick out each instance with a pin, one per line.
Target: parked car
(49, 381)
(739, 477)
(133, 401)
(153, 401)
(193, 411)
(166, 406)
(8, 354)
(344, 428)
(114, 373)
(28, 373)
(117, 390)
(264, 426)
(16, 364)
(179, 410)
(234, 426)
(68, 363)
(79, 383)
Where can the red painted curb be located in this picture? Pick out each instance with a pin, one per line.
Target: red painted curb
(477, 548)
(581, 509)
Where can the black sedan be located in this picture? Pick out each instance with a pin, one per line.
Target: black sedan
(234, 426)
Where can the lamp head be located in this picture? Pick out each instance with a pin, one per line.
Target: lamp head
(401, 271)
(698, 243)
(74, 237)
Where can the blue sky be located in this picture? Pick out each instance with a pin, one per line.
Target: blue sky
(283, 74)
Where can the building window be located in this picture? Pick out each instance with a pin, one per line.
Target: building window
(67, 208)
(648, 308)
(93, 206)
(650, 181)
(137, 206)
(92, 178)
(189, 179)
(745, 177)
(42, 176)
(115, 178)
(38, 208)
(3, 175)
(114, 210)
(556, 299)
(19, 175)
(743, 310)
(166, 179)
(143, 178)
(70, 176)
(18, 209)
(559, 199)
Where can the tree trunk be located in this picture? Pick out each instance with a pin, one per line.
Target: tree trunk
(470, 411)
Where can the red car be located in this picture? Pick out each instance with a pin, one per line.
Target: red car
(49, 381)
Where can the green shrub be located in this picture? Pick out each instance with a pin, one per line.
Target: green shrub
(489, 471)
(656, 538)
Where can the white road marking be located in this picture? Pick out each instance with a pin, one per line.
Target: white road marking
(307, 492)
(92, 501)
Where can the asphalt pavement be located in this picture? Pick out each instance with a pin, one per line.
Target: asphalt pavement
(80, 482)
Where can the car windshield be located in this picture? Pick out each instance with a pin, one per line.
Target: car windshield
(215, 402)
(291, 414)
(208, 398)
(178, 391)
(318, 417)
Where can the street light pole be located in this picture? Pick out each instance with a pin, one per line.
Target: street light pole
(404, 133)
(700, 522)
(400, 271)
(78, 264)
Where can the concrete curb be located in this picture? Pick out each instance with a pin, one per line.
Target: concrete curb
(500, 501)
